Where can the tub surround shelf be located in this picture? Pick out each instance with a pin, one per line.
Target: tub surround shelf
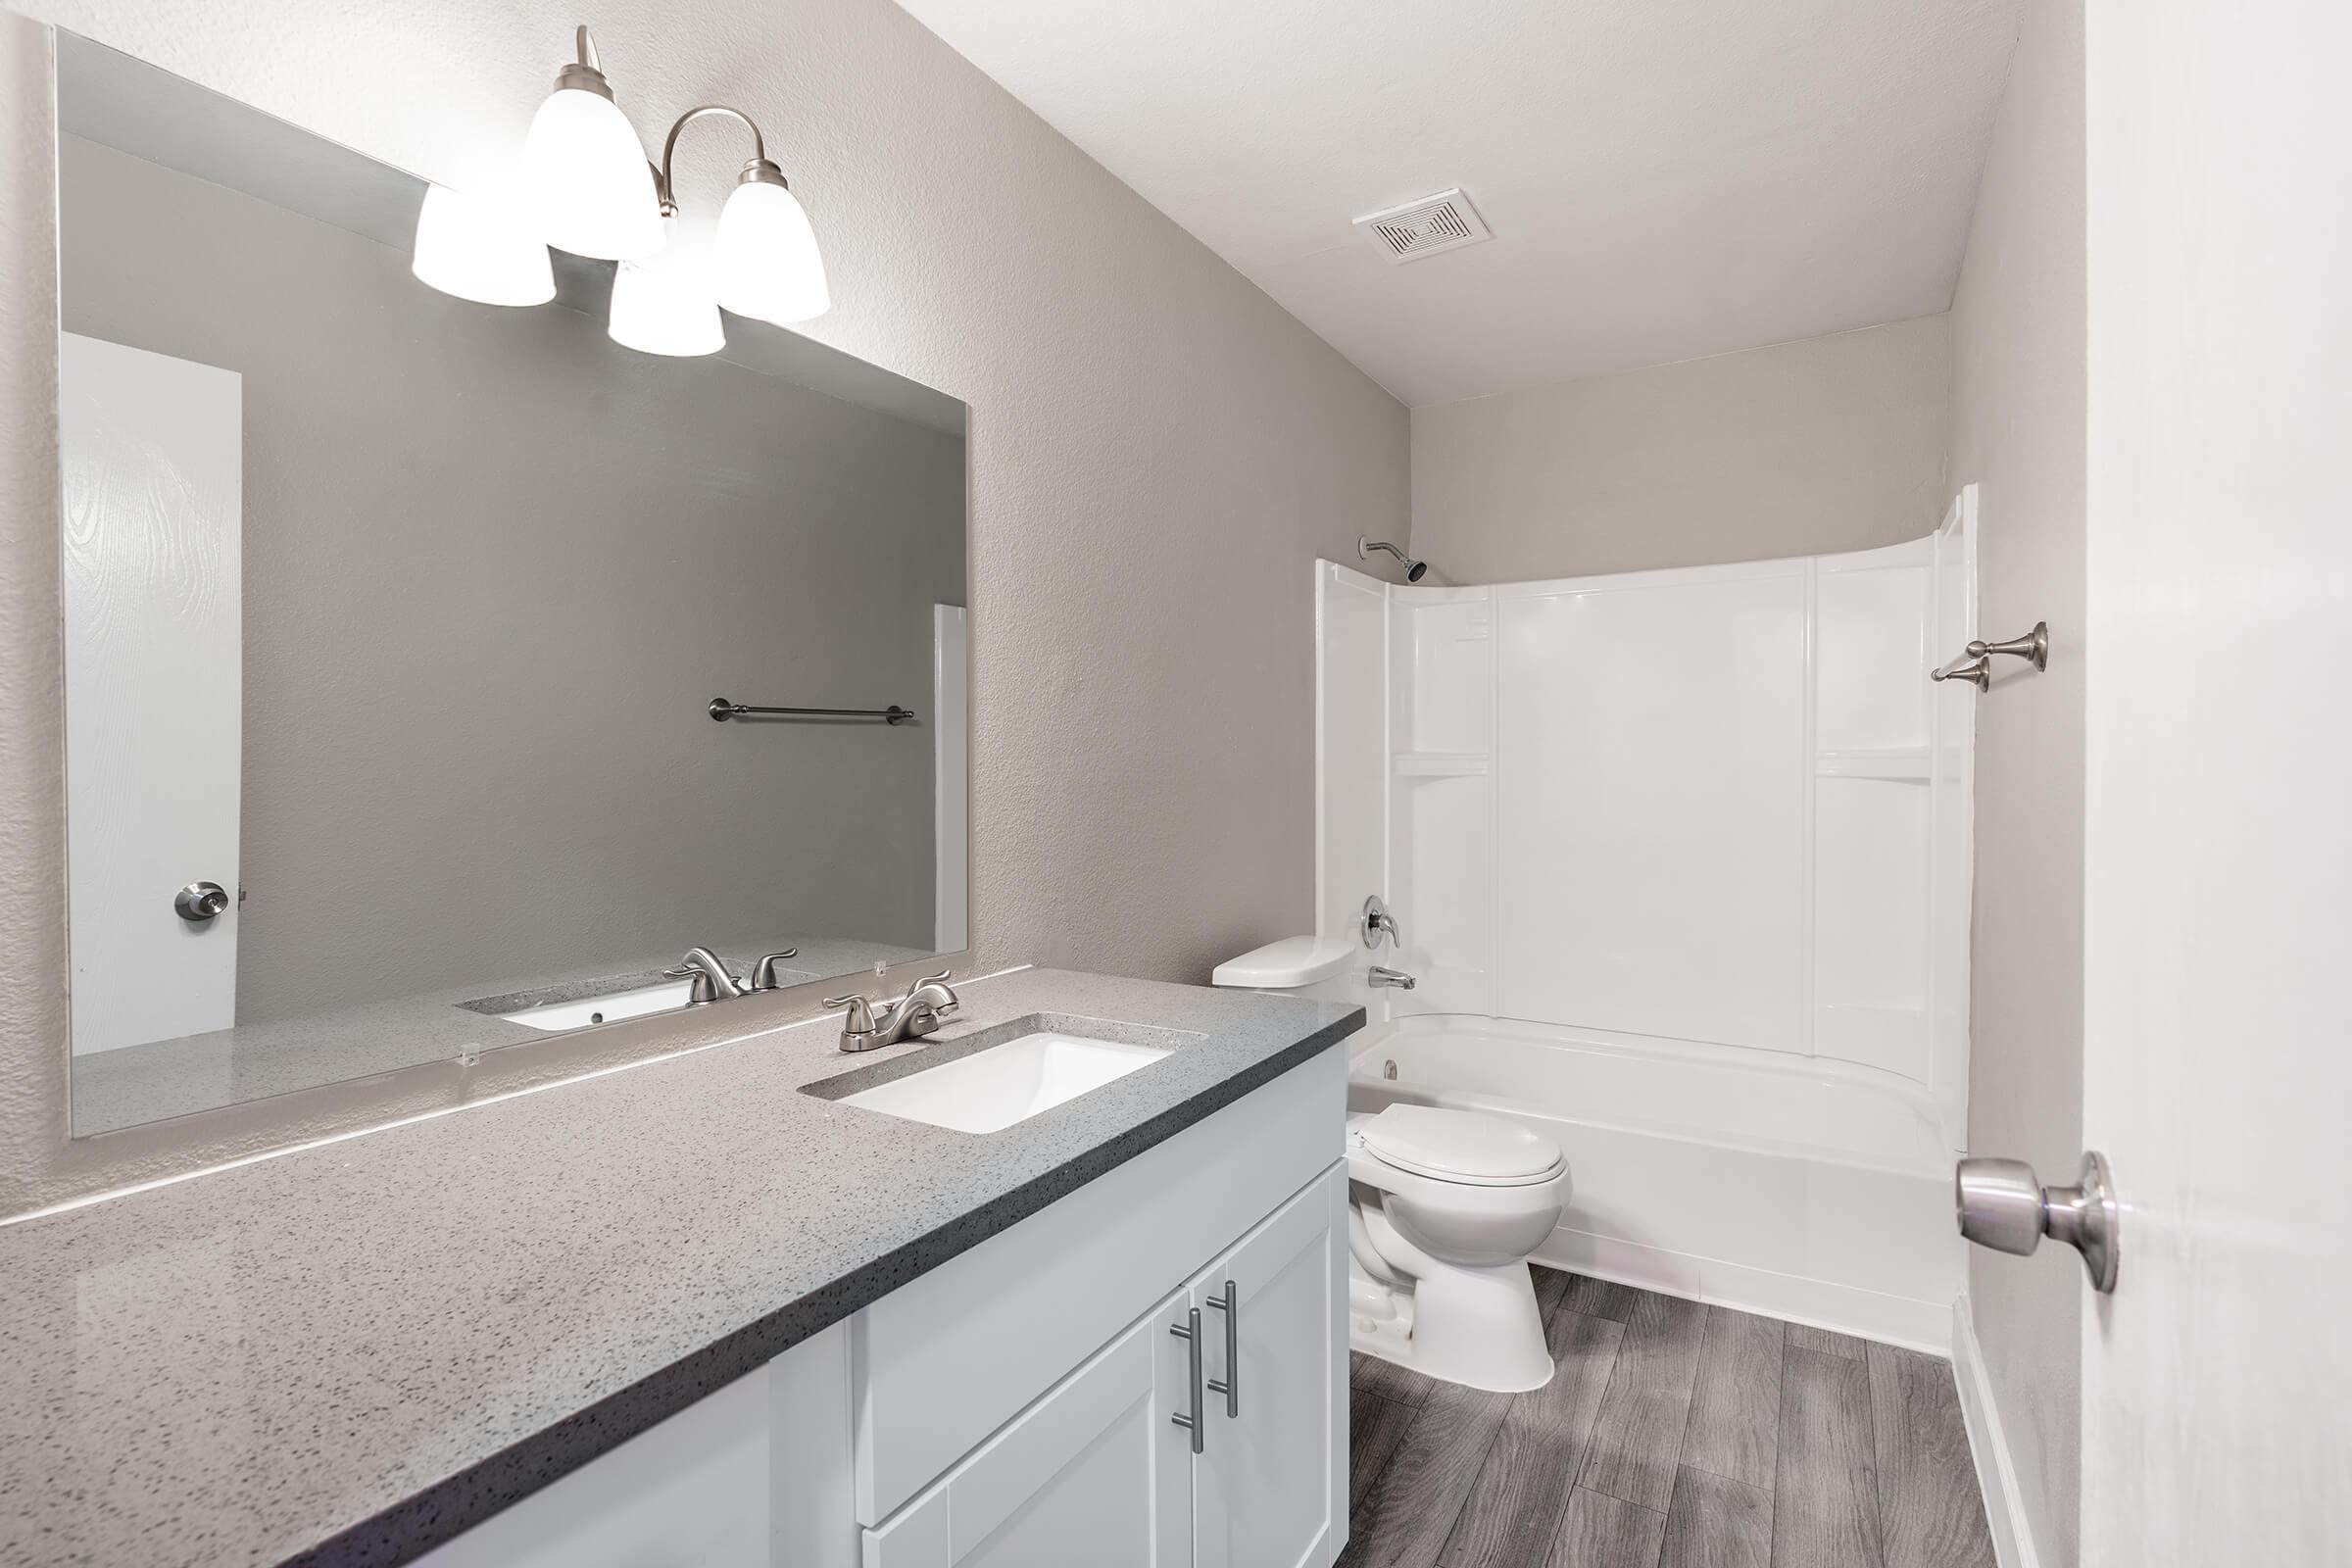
(1443, 764)
(354, 1352)
(1910, 765)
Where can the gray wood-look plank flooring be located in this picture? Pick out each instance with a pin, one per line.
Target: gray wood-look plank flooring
(1931, 1514)
(1825, 1502)
(1673, 1435)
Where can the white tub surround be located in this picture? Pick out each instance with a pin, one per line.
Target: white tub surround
(1680, 865)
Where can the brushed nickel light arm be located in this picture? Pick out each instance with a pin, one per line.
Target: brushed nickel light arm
(759, 170)
(588, 72)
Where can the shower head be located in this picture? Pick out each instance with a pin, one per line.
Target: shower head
(1413, 569)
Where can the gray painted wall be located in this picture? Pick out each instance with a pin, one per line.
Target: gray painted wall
(1833, 443)
(2017, 429)
(1157, 452)
(495, 566)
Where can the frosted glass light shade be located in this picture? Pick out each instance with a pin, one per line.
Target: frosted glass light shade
(663, 305)
(765, 257)
(479, 249)
(588, 178)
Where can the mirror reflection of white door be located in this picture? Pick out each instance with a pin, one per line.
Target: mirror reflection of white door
(152, 454)
(2217, 1380)
(951, 739)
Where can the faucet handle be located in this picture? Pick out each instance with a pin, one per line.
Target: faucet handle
(857, 1027)
(763, 973)
(941, 1008)
(862, 1011)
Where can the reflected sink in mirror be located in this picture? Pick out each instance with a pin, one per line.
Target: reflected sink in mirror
(610, 1007)
(1006, 1074)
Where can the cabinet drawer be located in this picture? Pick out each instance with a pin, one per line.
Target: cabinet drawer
(945, 1360)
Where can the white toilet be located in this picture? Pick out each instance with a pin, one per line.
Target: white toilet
(1444, 1208)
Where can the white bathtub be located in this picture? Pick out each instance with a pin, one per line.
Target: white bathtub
(1808, 1191)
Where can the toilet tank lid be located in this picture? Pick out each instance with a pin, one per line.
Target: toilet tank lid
(1292, 961)
(1461, 1144)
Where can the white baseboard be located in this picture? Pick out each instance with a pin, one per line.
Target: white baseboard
(1820, 1304)
(1996, 1474)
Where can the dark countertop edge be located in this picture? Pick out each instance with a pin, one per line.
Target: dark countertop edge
(448, 1509)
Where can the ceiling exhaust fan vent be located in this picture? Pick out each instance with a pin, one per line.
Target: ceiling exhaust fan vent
(1446, 221)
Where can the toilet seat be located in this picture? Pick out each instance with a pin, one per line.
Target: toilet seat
(1461, 1147)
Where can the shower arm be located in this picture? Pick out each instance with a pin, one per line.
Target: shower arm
(1413, 569)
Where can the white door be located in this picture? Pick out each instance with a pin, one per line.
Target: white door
(153, 462)
(1270, 1485)
(1094, 1475)
(2217, 1418)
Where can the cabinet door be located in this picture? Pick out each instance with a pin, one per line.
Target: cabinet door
(1094, 1475)
(1270, 1486)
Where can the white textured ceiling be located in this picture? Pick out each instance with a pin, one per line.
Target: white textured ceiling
(1665, 178)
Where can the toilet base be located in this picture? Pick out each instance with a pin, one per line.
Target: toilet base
(1478, 1327)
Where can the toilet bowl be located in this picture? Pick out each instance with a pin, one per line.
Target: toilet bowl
(1445, 1208)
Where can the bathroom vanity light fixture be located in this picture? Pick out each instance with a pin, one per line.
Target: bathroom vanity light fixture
(477, 250)
(590, 190)
(764, 261)
(585, 172)
(660, 306)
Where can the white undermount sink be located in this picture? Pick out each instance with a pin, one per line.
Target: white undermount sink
(991, 1090)
(609, 1008)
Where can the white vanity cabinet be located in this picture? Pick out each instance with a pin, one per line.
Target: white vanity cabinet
(1147, 1458)
(1025, 1401)
(1270, 1483)
(1097, 1472)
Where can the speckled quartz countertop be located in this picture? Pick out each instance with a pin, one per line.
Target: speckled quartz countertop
(136, 1084)
(349, 1353)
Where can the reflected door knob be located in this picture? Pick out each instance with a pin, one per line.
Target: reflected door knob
(2005, 1208)
(200, 901)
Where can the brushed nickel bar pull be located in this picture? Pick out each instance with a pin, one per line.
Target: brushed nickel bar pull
(1192, 1421)
(722, 711)
(1230, 1304)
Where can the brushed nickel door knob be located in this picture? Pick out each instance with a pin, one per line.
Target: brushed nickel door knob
(200, 901)
(2002, 1206)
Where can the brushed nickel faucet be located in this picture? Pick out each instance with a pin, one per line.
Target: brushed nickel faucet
(709, 972)
(1382, 975)
(912, 1018)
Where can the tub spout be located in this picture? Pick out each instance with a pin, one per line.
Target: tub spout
(1380, 975)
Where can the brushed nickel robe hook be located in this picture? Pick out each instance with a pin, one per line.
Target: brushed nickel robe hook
(2033, 645)
(1978, 670)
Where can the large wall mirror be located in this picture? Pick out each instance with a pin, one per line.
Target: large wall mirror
(394, 625)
